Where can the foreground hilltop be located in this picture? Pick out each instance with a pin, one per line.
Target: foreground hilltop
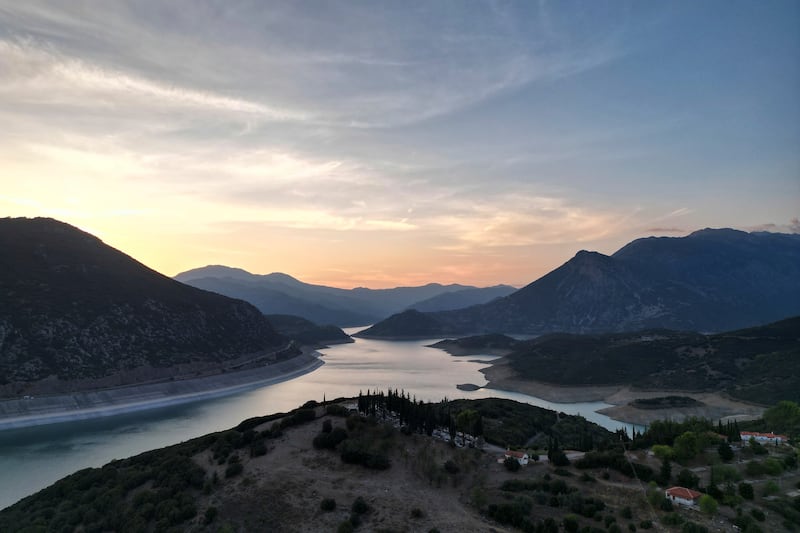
(711, 280)
(76, 310)
(383, 462)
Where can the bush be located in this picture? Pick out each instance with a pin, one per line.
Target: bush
(771, 488)
(450, 467)
(626, 513)
(337, 410)
(646, 524)
(327, 504)
(758, 514)
(345, 527)
(360, 506)
(416, 512)
(672, 519)
(211, 514)
(258, 448)
(233, 469)
(570, 523)
(746, 491)
(327, 426)
(691, 527)
(708, 504)
(511, 464)
(330, 440)
(562, 472)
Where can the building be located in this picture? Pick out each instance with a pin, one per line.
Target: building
(763, 437)
(521, 457)
(682, 495)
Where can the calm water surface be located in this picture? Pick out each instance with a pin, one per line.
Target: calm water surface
(32, 458)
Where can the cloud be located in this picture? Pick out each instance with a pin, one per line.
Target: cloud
(374, 65)
(666, 230)
(793, 226)
(34, 74)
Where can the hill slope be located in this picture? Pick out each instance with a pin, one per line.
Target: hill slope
(75, 308)
(711, 280)
(759, 364)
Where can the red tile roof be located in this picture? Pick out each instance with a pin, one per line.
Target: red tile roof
(764, 435)
(684, 493)
(518, 455)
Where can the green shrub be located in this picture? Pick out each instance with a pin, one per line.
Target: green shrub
(233, 469)
(571, 523)
(211, 514)
(626, 512)
(758, 514)
(672, 519)
(771, 488)
(327, 504)
(345, 527)
(360, 506)
(746, 490)
(708, 505)
(646, 524)
(416, 512)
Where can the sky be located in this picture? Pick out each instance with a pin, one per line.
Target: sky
(386, 143)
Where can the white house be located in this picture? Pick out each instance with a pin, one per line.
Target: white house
(763, 437)
(682, 495)
(521, 457)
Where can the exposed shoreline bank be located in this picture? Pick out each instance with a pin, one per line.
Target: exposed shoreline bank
(715, 405)
(18, 413)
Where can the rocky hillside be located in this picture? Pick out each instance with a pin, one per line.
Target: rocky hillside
(711, 280)
(75, 308)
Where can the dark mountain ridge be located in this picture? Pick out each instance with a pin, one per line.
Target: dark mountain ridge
(711, 280)
(279, 293)
(76, 308)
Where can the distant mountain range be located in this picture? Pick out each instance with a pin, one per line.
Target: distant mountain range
(73, 308)
(711, 280)
(282, 294)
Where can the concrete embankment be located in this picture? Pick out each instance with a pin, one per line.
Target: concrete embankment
(40, 410)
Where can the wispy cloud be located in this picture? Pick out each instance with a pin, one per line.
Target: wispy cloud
(793, 226)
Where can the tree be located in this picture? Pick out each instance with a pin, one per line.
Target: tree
(665, 474)
(746, 491)
(687, 479)
(662, 451)
(686, 446)
(708, 504)
(725, 451)
(783, 417)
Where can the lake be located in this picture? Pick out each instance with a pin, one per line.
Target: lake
(32, 458)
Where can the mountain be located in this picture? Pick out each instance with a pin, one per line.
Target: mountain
(306, 332)
(711, 280)
(74, 308)
(279, 293)
(463, 298)
(760, 364)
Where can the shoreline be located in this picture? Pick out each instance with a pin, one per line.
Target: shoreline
(716, 406)
(20, 413)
